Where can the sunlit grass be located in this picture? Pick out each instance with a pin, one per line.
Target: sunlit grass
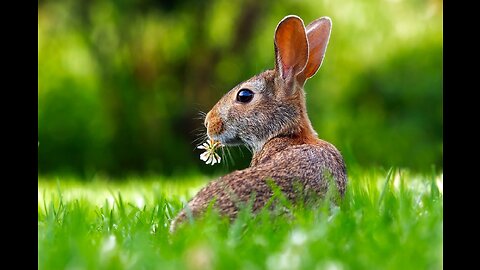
(388, 220)
(136, 190)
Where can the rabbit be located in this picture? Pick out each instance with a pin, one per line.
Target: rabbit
(268, 114)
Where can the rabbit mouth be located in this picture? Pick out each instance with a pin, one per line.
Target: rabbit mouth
(233, 141)
(228, 140)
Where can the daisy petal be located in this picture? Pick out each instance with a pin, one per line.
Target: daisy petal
(209, 156)
(218, 157)
(210, 159)
(214, 159)
(204, 156)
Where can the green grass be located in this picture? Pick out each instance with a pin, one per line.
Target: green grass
(386, 221)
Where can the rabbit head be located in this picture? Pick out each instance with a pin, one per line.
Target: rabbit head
(272, 103)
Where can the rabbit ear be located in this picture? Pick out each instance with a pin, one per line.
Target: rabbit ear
(318, 34)
(291, 48)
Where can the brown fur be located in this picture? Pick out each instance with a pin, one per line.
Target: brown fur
(214, 122)
(275, 125)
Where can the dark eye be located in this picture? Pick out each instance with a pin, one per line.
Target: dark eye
(244, 95)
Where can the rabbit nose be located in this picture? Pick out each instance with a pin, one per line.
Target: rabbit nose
(213, 123)
(205, 123)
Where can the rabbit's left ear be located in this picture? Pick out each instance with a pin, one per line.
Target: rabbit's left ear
(291, 48)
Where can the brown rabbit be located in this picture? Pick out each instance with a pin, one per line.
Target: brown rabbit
(268, 114)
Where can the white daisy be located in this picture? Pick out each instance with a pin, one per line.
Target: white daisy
(209, 156)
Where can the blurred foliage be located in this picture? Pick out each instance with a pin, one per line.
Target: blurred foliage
(121, 83)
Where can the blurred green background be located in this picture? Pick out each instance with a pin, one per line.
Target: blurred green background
(121, 83)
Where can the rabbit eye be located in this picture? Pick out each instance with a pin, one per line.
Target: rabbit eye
(244, 95)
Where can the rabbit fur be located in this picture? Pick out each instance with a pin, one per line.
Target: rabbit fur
(274, 124)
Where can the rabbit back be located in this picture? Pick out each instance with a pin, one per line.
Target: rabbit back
(309, 165)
